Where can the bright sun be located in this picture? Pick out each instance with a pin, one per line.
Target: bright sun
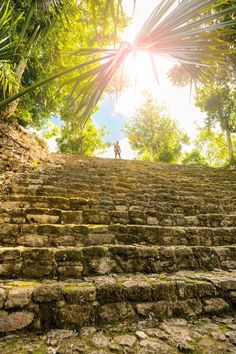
(177, 100)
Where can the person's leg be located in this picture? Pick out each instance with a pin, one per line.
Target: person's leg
(119, 155)
(115, 154)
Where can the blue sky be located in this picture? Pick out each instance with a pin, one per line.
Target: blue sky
(114, 121)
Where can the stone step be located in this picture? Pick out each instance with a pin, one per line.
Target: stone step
(129, 196)
(93, 165)
(203, 335)
(147, 189)
(82, 182)
(55, 235)
(102, 300)
(55, 202)
(16, 201)
(131, 199)
(120, 216)
(78, 262)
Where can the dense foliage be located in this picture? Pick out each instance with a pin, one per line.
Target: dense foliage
(219, 103)
(75, 140)
(153, 134)
(210, 147)
(194, 157)
(43, 37)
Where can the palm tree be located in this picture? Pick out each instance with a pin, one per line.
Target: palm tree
(190, 32)
(39, 18)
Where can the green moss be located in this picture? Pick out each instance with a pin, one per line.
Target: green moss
(223, 328)
(70, 287)
(35, 164)
(22, 284)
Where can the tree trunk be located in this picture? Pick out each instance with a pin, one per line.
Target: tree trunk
(151, 154)
(229, 142)
(8, 112)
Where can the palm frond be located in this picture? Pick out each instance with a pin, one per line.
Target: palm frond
(46, 4)
(190, 33)
(7, 78)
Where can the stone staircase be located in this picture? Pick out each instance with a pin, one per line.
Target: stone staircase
(87, 241)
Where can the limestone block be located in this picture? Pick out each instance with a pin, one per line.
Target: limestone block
(14, 321)
(155, 345)
(120, 217)
(116, 312)
(152, 220)
(215, 306)
(10, 269)
(96, 217)
(141, 335)
(70, 270)
(42, 219)
(121, 208)
(100, 341)
(192, 220)
(33, 240)
(18, 297)
(103, 265)
(2, 297)
(232, 296)
(18, 220)
(8, 229)
(74, 316)
(100, 239)
(37, 263)
(47, 293)
(76, 294)
(126, 340)
(71, 217)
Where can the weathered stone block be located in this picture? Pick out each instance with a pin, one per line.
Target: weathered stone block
(102, 265)
(151, 220)
(96, 217)
(18, 297)
(79, 294)
(15, 321)
(33, 240)
(215, 306)
(71, 217)
(121, 208)
(43, 219)
(75, 316)
(2, 297)
(100, 239)
(116, 312)
(37, 263)
(70, 270)
(47, 293)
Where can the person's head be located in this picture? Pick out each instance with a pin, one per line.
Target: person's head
(117, 142)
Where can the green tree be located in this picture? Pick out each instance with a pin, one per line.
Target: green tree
(194, 157)
(86, 142)
(45, 35)
(219, 102)
(154, 134)
(213, 147)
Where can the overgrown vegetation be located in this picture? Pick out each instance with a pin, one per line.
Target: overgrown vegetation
(153, 134)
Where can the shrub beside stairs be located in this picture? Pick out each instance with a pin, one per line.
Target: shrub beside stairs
(88, 241)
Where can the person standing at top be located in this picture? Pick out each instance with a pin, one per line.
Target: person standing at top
(117, 150)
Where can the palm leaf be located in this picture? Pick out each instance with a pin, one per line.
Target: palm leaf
(190, 32)
(46, 4)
